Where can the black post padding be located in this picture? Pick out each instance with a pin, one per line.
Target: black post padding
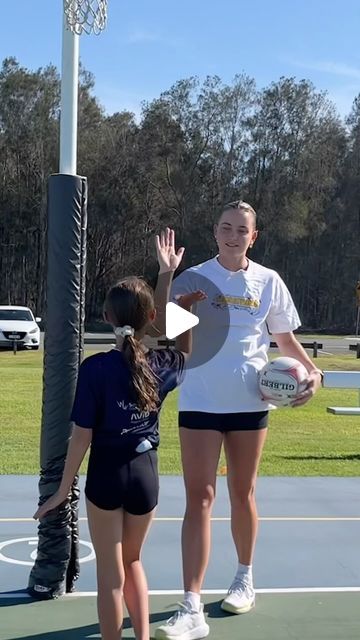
(73, 568)
(57, 563)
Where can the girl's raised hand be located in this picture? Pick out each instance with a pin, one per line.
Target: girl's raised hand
(168, 258)
(186, 300)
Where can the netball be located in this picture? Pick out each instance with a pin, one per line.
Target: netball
(281, 380)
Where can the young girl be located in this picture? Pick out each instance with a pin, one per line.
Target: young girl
(116, 410)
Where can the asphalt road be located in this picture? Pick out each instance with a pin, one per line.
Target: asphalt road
(334, 345)
(330, 346)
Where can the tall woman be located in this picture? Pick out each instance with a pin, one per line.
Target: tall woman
(220, 405)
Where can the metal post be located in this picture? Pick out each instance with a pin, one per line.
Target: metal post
(69, 100)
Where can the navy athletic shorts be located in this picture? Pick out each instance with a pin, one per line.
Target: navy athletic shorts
(131, 484)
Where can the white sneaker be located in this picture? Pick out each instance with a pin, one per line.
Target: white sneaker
(185, 624)
(240, 597)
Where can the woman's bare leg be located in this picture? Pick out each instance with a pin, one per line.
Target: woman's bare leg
(243, 452)
(200, 452)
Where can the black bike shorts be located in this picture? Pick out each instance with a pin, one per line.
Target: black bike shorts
(132, 484)
(223, 422)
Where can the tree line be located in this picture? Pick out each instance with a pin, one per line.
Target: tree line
(284, 149)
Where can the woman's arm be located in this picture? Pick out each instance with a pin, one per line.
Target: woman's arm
(79, 443)
(289, 346)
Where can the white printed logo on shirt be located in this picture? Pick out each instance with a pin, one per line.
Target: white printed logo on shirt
(138, 418)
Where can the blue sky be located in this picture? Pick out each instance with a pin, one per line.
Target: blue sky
(150, 44)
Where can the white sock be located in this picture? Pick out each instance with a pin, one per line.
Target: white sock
(193, 600)
(245, 573)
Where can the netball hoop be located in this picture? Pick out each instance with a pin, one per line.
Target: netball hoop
(86, 15)
(79, 16)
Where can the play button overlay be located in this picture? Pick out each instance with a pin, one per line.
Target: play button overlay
(178, 320)
(209, 319)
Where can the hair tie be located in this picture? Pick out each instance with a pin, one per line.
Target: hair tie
(124, 331)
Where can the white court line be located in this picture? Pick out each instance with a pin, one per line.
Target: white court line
(227, 519)
(277, 519)
(176, 592)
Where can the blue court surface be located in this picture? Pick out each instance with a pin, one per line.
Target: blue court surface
(306, 569)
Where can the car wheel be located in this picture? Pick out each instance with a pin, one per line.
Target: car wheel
(35, 348)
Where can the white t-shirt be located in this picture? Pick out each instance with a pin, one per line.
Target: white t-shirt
(252, 303)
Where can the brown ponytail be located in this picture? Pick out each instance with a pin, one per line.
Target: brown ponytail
(143, 383)
(130, 302)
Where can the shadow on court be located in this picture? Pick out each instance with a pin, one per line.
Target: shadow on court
(309, 616)
(90, 632)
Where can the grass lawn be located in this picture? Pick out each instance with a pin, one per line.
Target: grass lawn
(301, 442)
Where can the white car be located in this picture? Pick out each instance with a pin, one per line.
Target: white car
(17, 324)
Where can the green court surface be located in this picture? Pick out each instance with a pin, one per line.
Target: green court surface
(277, 616)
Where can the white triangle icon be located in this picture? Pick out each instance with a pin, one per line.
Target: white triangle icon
(178, 320)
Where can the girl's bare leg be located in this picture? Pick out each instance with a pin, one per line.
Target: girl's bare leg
(106, 531)
(135, 529)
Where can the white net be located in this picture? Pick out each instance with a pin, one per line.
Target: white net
(86, 15)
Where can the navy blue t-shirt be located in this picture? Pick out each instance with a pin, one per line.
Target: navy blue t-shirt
(102, 401)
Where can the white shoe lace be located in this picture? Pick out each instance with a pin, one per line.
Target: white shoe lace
(240, 585)
(182, 611)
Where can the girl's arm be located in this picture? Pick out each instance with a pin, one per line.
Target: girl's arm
(161, 298)
(184, 340)
(169, 260)
(79, 443)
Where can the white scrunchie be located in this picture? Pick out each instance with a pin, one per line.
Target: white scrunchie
(124, 331)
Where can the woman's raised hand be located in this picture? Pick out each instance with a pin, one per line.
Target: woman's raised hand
(168, 258)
